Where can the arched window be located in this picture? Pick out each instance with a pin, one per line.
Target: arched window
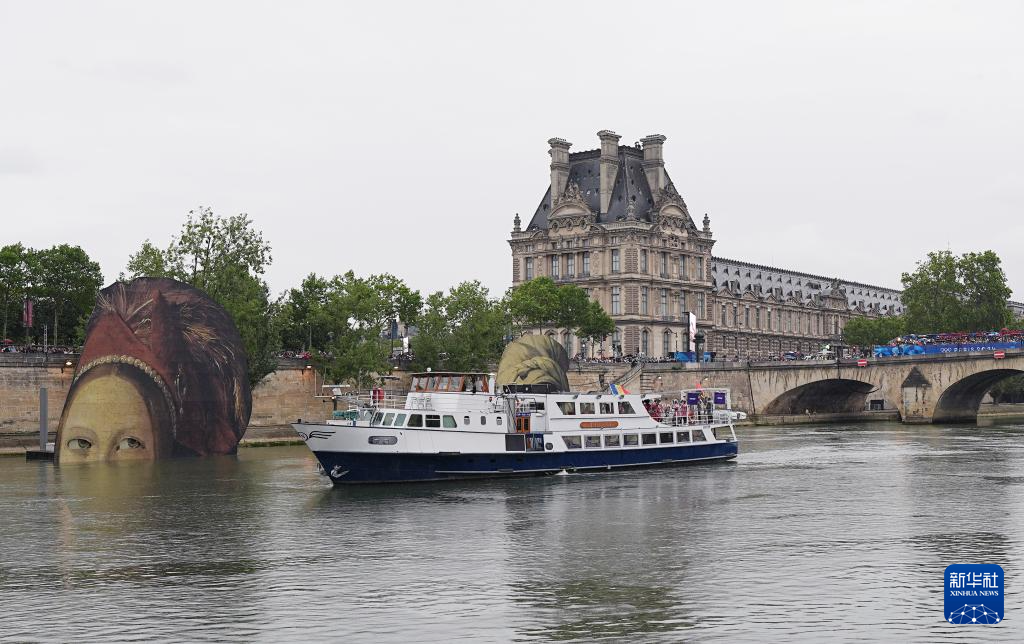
(645, 342)
(666, 343)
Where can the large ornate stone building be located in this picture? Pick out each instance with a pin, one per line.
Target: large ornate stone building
(613, 223)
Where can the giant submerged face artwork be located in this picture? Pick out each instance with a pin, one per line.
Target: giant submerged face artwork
(534, 360)
(163, 373)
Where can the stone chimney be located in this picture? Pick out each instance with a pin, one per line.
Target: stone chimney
(654, 162)
(609, 166)
(559, 167)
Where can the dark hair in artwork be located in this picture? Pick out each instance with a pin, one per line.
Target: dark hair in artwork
(188, 345)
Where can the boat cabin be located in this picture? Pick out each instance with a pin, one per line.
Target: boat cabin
(442, 382)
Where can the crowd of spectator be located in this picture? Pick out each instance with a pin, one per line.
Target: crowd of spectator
(676, 411)
(634, 359)
(1003, 335)
(38, 348)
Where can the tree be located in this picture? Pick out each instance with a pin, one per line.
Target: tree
(225, 257)
(595, 324)
(356, 312)
(541, 303)
(950, 293)
(533, 304)
(303, 320)
(149, 261)
(985, 291)
(69, 281)
(464, 330)
(14, 279)
(866, 332)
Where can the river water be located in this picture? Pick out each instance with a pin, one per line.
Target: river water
(814, 533)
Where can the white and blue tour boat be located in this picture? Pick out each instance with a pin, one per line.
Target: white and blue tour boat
(456, 426)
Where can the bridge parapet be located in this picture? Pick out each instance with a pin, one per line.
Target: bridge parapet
(922, 388)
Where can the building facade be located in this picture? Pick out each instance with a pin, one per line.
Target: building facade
(613, 223)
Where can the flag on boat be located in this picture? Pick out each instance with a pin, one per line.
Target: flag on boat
(618, 389)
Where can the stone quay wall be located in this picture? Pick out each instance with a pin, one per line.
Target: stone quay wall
(279, 399)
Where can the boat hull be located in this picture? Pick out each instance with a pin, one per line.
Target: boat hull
(363, 467)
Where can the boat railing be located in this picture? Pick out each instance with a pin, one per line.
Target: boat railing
(694, 420)
(372, 399)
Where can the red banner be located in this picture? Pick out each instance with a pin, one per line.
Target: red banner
(26, 313)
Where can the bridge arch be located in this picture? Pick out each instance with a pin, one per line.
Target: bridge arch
(829, 396)
(960, 402)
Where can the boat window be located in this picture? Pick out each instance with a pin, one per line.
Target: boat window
(665, 437)
(572, 442)
(377, 418)
(593, 441)
(515, 443)
(383, 440)
(449, 422)
(417, 383)
(608, 408)
(612, 440)
(498, 420)
(432, 384)
(698, 436)
(480, 383)
(586, 408)
(630, 440)
(567, 406)
(465, 420)
(648, 439)
(483, 420)
(626, 408)
(388, 418)
(538, 406)
(415, 420)
(682, 437)
(433, 420)
(399, 420)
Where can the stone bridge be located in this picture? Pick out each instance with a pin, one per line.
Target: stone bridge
(946, 388)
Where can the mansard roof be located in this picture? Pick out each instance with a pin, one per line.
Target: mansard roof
(630, 187)
(744, 276)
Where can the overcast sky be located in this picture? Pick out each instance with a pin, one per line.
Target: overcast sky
(837, 138)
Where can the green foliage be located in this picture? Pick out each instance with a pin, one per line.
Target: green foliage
(533, 304)
(68, 282)
(595, 324)
(14, 281)
(149, 261)
(541, 303)
(304, 322)
(985, 291)
(354, 314)
(464, 330)
(956, 293)
(866, 332)
(225, 257)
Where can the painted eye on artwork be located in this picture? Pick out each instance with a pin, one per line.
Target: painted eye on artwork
(79, 443)
(130, 443)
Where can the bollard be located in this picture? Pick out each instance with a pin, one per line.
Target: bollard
(44, 432)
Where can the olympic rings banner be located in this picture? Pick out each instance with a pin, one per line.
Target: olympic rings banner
(919, 349)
